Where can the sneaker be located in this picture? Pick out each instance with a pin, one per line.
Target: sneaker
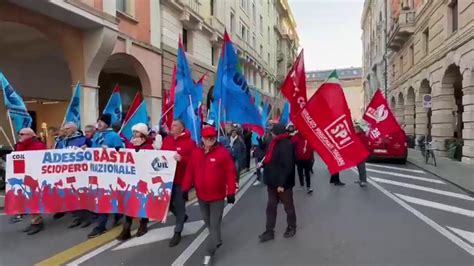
(75, 223)
(96, 232)
(310, 190)
(266, 236)
(257, 183)
(175, 239)
(16, 219)
(207, 260)
(58, 215)
(35, 228)
(362, 184)
(290, 232)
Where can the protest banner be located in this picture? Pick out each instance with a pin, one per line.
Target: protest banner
(135, 183)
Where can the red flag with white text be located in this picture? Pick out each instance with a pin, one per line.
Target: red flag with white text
(294, 86)
(380, 118)
(326, 123)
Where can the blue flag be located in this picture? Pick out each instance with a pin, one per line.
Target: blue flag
(285, 115)
(139, 116)
(16, 108)
(114, 106)
(232, 93)
(73, 112)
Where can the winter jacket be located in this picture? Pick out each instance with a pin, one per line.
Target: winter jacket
(303, 150)
(280, 171)
(76, 140)
(107, 138)
(212, 174)
(147, 145)
(32, 144)
(184, 145)
(239, 150)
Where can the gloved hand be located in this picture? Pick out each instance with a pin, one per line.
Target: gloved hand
(185, 196)
(231, 199)
(117, 148)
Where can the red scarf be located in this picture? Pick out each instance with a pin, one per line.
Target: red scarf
(268, 155)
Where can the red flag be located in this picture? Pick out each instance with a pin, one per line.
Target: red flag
(71, 179)
(59, 183)
(326, 123)
(121, 183)
(294, 86)
(380, 118)
(93, 180)
(157, 179)
(142, 186)
(137, 100)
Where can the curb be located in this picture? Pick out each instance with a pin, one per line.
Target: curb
(469, 192)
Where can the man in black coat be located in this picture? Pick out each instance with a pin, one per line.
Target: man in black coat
(279, 176)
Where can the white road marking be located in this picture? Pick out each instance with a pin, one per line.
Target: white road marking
(189, 251)
(432, 190)
(469, 236)
(93, 253)
(2, 213)
(406, 176)
(436, 205)
(160, 234)
(396, 168)
(458, 241)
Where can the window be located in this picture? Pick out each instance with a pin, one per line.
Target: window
(185, 39)
(243, 32)
(215, 55)
(426, 41)
(212, 7)
(268, 58)
(254, 13)
(261, 50)
(261, 24)
(268, 7)
(453, 12)
(401, 64)
(121, 5)
(412, 55)
(268, 37)
(232, 22)
(254, 43)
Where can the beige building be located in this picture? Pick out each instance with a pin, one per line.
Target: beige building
(351, 82)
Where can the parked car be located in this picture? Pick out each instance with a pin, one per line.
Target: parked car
(390, 147)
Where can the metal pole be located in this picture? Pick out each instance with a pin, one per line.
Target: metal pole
(194, 120)
(6, 137)
(11, 125)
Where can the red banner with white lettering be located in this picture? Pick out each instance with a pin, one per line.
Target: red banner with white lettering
(380, 118)
(326, 123)
(294, 86)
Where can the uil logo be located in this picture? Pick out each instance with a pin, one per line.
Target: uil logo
(159, 164)
(379, 114)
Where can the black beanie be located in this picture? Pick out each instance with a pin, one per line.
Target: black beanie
(278, 129)
(106, 118)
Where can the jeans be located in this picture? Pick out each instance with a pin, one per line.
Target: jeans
(212, 212)
(102, 220)
(258, 171)
(304, 172)
(362, 172)
(178, 207)
(286, 198)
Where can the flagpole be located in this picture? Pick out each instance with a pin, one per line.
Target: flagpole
(166, 112)
(218, 119)
(6, 137)
(194, 120)
(11, 125)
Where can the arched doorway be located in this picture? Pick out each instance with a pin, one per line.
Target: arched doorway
(453, 79)
(399, 110)
(36, 67)
(423, 114)
(393, 104)
(409, 111)
(125, 71)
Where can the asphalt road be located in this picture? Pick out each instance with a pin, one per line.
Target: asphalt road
(404, 216)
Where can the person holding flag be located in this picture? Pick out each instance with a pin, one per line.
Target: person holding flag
(105, 137)
(139, 141)
(212, 172)
(179, 140)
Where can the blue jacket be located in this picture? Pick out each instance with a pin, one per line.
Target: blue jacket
(60, 143)
(107, 138)
(76, 140)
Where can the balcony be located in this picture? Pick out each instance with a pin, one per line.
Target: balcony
(401, 30)
(280, 57)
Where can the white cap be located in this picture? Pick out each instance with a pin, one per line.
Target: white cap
(142, 128)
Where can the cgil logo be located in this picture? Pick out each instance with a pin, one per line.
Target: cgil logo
(159, 164)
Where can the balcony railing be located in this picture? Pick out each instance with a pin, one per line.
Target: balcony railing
(195, 5)
(401, 29)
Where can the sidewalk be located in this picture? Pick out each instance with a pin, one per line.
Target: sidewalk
(453, 171)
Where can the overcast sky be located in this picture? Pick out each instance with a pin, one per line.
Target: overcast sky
(329, 32)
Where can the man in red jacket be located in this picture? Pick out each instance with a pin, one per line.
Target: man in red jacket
(178, 140)
(29, 142)
(212, 172)
(304, 160)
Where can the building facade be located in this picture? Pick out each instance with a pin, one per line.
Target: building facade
(351, 82)
(49, 46)
(430, 52)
